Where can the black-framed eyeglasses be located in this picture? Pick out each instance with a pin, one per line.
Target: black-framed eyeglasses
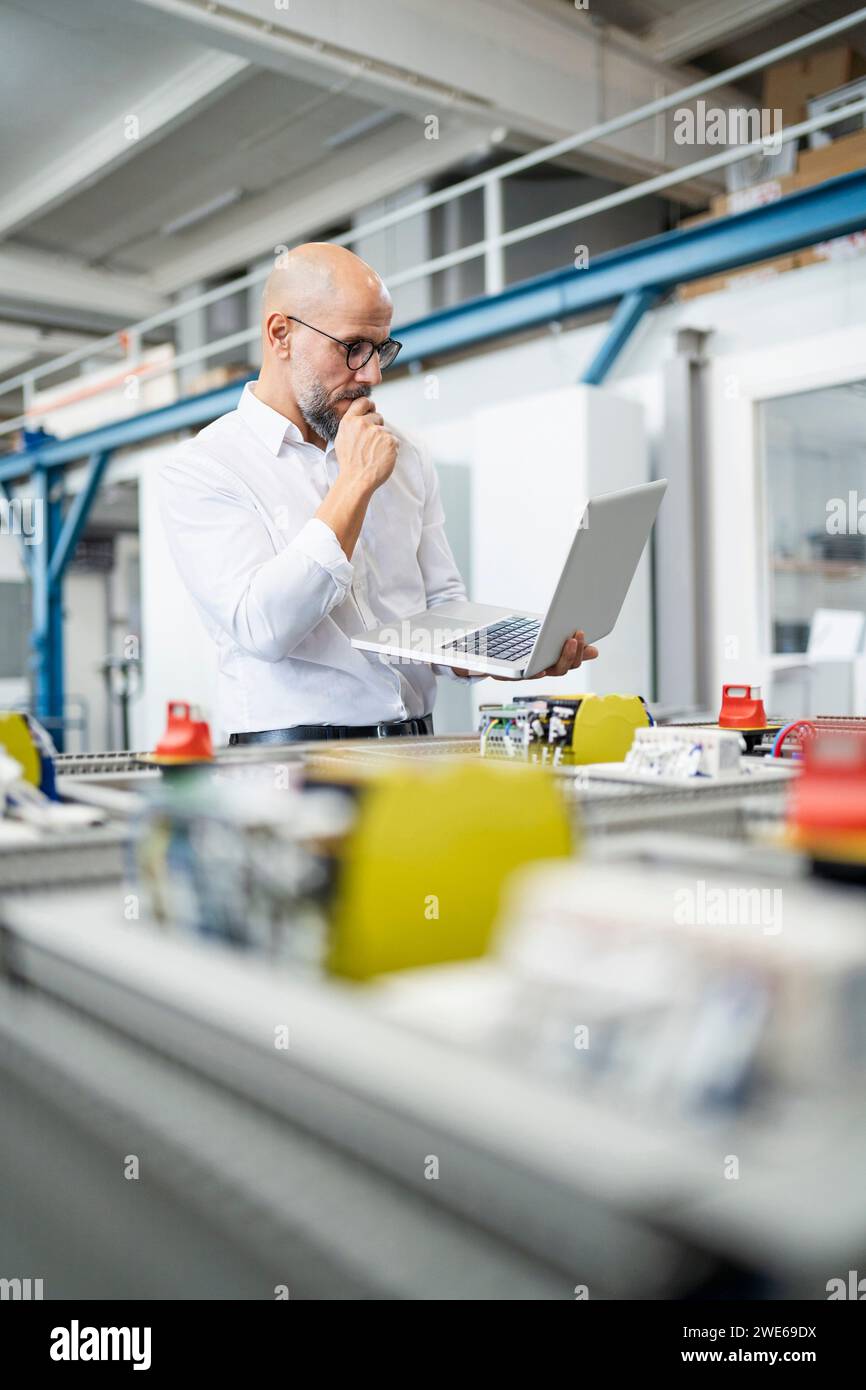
(359, 352)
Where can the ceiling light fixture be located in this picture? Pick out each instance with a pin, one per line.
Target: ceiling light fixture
(357, 129)
(199, 214)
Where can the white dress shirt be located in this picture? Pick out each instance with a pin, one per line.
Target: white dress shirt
(274, 587)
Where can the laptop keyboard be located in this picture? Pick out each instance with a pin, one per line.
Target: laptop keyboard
(507, 640)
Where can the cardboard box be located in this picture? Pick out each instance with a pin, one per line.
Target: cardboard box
(841, 248)
(788, 86)
(839, 157)
(696, 220)
(747, 198)
(814, 166)
(97, 398)
(739, 279)
(215, 377)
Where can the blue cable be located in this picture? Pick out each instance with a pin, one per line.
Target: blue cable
(783, 734)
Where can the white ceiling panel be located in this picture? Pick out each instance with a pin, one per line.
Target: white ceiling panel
(257, 137)
(70, 65)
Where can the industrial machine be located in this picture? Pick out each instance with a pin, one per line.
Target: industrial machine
(563, 729)
(399, 1020)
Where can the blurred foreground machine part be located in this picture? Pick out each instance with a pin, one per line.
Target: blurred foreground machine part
(30, 806)
(710, 1032)
(721, 1011)
(424, 866)
(288, 1128)
(240, 861)
(25, 740)
(406, 872)
(827, 812)
(703, 995)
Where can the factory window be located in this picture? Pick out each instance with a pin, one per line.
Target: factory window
(815, 498)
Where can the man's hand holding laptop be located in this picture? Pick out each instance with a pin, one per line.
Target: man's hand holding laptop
(574, 652)
(513, 644)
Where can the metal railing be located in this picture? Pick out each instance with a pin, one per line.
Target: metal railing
(490, 247)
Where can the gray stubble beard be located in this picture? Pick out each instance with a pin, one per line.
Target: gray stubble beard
(319, 412)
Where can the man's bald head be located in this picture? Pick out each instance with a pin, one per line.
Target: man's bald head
(339, 300)
(320, 278)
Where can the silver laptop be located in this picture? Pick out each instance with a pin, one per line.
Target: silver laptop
(589, 594)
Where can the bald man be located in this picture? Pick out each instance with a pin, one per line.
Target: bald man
(300, 519)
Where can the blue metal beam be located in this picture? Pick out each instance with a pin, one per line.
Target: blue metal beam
(47, 636)
(57, 538)
(622, 325)
(76, 518)
(181, 415)
(830, 209)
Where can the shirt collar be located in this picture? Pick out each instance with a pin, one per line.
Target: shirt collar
(272, 428)
(266, 423)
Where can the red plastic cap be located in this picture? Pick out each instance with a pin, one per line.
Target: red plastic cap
(185, 739)
(831, 791)
(742, 708)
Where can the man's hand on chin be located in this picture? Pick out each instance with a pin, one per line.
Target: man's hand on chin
(575, 651)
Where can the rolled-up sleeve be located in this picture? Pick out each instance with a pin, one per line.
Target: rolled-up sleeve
(266, 598)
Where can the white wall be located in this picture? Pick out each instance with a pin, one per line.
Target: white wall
(85, 647)
(12, 692)
(179, 660)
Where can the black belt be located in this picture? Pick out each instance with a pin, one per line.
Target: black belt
(306, 733)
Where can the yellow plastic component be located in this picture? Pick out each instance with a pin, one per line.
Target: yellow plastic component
(847, 848)
(16, 738)
(604, 728)
(425, 866)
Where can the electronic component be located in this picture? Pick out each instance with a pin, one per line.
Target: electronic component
(563, 729)
(674, 752)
